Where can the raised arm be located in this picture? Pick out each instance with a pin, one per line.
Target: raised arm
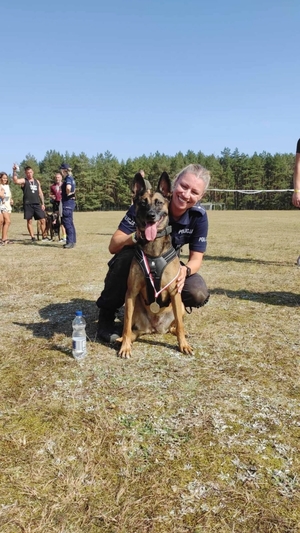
(16, 180)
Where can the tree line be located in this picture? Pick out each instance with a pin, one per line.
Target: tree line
(104, 183)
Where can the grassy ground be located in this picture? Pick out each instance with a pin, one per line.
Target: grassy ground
(163, 442)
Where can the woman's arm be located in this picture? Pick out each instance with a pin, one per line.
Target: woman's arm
(119, 240)
(194, 263)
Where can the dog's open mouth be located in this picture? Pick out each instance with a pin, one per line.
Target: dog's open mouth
(151, 229)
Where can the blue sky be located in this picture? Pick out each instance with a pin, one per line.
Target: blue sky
(139, 76)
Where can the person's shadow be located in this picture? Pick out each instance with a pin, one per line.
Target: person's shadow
(57, 319)
(283, 298)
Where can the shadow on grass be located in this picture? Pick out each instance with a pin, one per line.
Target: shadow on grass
(155, 343)
(57, 319)
(228, 259)
(42, 244)
(288, 299)
(109, 233)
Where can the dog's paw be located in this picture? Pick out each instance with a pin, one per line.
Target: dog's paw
(125, 351)
(124, 355)
(186, 349)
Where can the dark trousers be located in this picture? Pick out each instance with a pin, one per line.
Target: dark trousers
(67, 221)
(194, 294)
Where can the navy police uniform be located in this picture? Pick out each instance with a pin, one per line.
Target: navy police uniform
(68, 206)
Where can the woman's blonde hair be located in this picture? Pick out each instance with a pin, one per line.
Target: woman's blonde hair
(198, 170)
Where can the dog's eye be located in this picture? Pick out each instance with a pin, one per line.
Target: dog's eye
(158, 203)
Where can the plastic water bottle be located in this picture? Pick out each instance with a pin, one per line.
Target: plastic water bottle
(79, 336)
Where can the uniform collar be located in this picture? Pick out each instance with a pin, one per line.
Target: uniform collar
(184, 219)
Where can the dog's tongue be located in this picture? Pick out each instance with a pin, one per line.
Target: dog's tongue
(151, 231)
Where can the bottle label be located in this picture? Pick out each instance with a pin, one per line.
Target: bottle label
(79, 345)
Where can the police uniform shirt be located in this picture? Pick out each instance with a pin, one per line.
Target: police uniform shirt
(190, 229)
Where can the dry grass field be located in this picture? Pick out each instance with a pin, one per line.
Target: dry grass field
(163, 442)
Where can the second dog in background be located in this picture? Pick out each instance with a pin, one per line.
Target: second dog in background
(52, 230)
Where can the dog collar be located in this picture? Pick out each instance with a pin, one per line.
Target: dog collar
(164, 232)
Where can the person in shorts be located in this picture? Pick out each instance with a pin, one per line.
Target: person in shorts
(33, 200)
(5, 208)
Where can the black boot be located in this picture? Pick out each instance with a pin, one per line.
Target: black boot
(107, 330)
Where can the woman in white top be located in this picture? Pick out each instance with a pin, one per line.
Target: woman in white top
(6, 202)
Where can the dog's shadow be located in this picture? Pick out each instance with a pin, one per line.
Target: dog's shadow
(145, 339)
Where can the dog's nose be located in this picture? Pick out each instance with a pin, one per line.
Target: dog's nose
(151, 215)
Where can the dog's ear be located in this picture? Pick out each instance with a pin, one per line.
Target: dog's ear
(164, 185)
(138, 185)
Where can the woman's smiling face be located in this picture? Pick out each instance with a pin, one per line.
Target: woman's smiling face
(187, 191)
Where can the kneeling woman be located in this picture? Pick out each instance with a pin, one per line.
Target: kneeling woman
(189, 226)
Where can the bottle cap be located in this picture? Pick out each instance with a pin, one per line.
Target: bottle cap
(78, 313)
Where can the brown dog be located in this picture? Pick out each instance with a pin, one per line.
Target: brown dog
(152, 303)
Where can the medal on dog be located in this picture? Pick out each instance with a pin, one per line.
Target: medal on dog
(154, 307)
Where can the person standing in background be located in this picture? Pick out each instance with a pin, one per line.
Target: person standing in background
(68, 204)
(55, 199)
(5, 207)
(33, 200)
(296, 193)
(2, 196)
(55, 192)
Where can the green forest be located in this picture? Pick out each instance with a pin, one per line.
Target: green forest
(104, 183)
